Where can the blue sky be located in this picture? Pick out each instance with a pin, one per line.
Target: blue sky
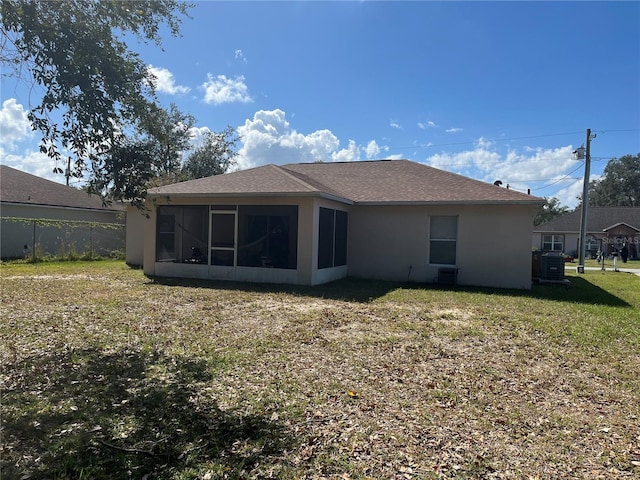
(491, 90)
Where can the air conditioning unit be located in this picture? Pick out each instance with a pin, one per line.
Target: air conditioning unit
(552, 267)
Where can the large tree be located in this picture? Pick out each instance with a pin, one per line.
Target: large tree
(93, 86)
(549, 210)
(215, 156)
(619, 185)
(151, 156)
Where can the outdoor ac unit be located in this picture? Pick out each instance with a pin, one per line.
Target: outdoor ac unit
(552, 267)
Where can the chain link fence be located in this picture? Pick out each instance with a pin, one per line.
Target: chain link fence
(38, 239)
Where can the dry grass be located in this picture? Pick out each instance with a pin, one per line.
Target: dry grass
(106, 374)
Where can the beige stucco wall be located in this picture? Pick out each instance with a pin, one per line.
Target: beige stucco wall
(493, 247)
(136, 221)
(385, 242)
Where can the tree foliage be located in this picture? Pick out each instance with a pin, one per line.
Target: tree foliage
(214, 157)
(549, 210)
(619, 185)
(93, 86)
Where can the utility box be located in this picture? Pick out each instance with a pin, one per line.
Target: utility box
(552, 267)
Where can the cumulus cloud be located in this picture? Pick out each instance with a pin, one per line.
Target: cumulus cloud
(220, 89)
(394, 124)
(32, 162)
(269, 138)
(425, 125)
(453, 130)
(533, 168)
(14, 124)
(165, 82)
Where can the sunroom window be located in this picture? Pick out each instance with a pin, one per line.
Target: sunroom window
(181, 234)
(268, 236)
(332, 238)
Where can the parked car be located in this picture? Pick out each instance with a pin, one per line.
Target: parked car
(567, 258)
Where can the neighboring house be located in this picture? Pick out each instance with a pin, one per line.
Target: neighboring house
(317, 222)
(54, 218)
(609, 229)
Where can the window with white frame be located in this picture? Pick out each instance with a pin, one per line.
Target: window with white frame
(443, 239)
(553, 243)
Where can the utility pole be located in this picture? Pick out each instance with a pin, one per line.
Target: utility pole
(67, 172)
(585, 197)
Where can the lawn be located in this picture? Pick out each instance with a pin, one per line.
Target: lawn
(107, 374)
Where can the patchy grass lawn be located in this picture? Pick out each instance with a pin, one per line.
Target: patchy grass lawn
(106, 374)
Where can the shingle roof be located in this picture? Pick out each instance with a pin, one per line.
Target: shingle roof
(362, 182)
(23, 188)
(598, 218)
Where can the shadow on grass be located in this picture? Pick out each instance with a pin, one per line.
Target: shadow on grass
(128, 414)
(580, 290)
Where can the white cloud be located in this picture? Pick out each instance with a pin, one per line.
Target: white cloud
(372, 149)
(165, 82)
(425, 125)
(269, 138)
(220, 89)
(32, 162)
(240, 56)
(453, 130)
(394, 124)
(547, 172)
(14, 124)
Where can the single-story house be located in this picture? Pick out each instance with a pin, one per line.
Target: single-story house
(312, 223)
(608, 230)
(54, 218)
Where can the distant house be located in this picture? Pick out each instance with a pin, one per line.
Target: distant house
(317, 222)
(54, 218)
(608, 230)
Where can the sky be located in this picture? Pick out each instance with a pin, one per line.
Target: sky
(490, 90)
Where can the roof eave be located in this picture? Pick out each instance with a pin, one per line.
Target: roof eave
(252, 195)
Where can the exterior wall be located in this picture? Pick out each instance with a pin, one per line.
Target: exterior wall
(384, 242)
(18, 238)
(135, 236)
(392, 243)
(494, 248)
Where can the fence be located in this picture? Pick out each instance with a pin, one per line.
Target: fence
(39, 238)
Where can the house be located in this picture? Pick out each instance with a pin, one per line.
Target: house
(608, 230)
(312, 223)
(50, 218)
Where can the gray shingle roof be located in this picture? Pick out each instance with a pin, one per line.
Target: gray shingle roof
(362, 182)
(598, 218)
(23, 188)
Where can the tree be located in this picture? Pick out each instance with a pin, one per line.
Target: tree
(94, 87)
(619, 185)
(151, 157)
(214, 157)
(549, 210)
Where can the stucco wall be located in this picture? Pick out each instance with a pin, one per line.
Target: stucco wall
(135, 236)
(385, 242)
(493, 247)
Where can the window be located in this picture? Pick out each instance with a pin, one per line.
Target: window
(553, 243)
(268, 236)
(332, 238)
(443, 235)
(592, 244)
(181, 234)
